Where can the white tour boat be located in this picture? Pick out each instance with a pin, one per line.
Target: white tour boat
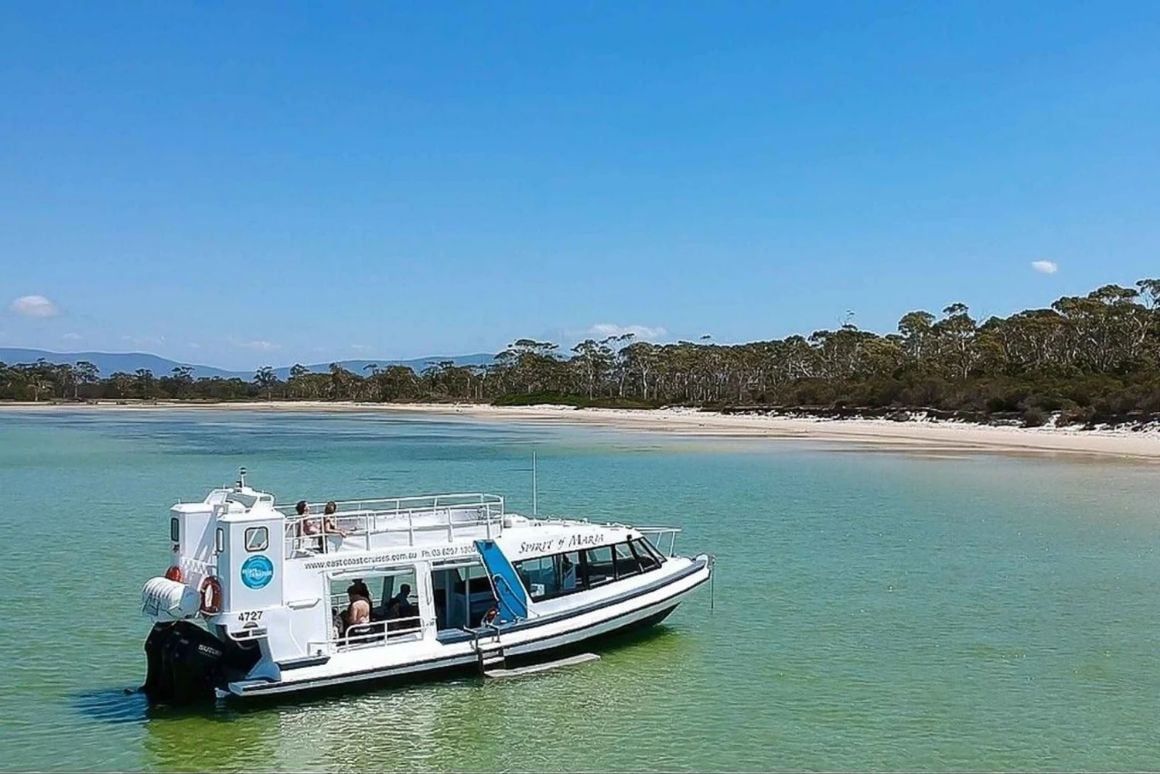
(256, 600)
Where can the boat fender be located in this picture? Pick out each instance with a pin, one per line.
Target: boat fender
(211, 595)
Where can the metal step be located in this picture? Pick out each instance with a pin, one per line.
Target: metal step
(491, 657)
(582, 658)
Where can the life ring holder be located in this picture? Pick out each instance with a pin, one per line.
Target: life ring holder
(211, 595)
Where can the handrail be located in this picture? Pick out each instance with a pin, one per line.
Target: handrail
(379, 630)
(310, 529)
(656, 534)
(426, 502)
(195, 570)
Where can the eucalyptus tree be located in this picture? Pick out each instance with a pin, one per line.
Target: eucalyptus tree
(179, 383)
(87, 374)
(638, 362)
(145, 383)
(397, 382)
(121, 384)
(344, 383)
(300, 385)
(532, 365)
(954, 338)
(916, 331)
(593, 361)
(265, 379)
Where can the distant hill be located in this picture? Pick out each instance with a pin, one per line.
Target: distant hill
(112, 362)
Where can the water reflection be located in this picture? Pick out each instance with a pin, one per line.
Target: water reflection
(113, 706)
(452, 724)
(218, 739)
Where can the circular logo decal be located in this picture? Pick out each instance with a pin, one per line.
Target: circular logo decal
(257, 571)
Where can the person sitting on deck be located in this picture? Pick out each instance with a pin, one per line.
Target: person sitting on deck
(360, 588)
(329, 525)
(307, 526)
(400, 605)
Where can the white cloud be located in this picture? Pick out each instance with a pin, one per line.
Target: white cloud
(1045, 267)
(70, 336)
(34, 306)
(143, 341)
(258, 345)
(604, 330)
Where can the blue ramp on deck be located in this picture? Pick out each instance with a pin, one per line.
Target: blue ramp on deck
(513, 599)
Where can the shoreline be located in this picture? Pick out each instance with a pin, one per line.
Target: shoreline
(927, 436)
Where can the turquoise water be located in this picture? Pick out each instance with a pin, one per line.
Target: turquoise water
(871, 610)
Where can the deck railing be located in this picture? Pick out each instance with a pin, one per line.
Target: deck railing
(373, 634)
(657, 535)
(428, 514)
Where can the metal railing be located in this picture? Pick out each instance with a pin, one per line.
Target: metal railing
(379, 632)
(656, 536)
(194, 571)
(371, 634)
(424, 515)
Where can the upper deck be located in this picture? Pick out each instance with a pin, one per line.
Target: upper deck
(397, 522)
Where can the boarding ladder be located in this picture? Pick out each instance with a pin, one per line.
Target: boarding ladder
(489, 650)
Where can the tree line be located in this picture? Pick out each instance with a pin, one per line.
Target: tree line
(1090, 358)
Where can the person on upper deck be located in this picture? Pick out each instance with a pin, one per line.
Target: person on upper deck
(329, 525)
(307, 526)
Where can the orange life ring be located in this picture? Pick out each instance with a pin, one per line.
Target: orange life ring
(211, 595)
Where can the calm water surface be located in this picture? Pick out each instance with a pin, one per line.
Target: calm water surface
(872, 610)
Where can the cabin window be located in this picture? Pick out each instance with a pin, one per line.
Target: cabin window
(648, 561)
(626, 561)
(175, 530)
(538, 576)
(257, 539)
(598, 566)
(546, 577)
(219, 540)
(393, 596)
(643, 546)
(569, 567)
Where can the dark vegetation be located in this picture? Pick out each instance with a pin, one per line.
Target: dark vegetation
(1088, 359)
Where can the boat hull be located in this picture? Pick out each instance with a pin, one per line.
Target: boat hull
(534, 641)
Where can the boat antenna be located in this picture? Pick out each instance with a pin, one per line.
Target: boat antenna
(535, 503)
(241, 478)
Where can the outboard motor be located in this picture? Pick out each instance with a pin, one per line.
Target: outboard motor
(185, 663)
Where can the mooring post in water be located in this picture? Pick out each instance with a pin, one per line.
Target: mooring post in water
(712, 577)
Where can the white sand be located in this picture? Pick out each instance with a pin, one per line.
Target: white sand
(918, 436)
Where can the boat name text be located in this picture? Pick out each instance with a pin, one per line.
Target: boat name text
(561, 544)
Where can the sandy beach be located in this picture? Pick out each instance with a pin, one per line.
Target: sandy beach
(918, 436)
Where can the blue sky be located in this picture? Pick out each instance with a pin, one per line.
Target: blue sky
(239, 184)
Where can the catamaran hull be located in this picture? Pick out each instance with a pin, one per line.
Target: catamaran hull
(519, 643)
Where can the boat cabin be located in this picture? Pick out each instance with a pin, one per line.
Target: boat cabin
(438, 568)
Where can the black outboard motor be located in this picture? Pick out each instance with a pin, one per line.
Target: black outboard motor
(185, 663)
